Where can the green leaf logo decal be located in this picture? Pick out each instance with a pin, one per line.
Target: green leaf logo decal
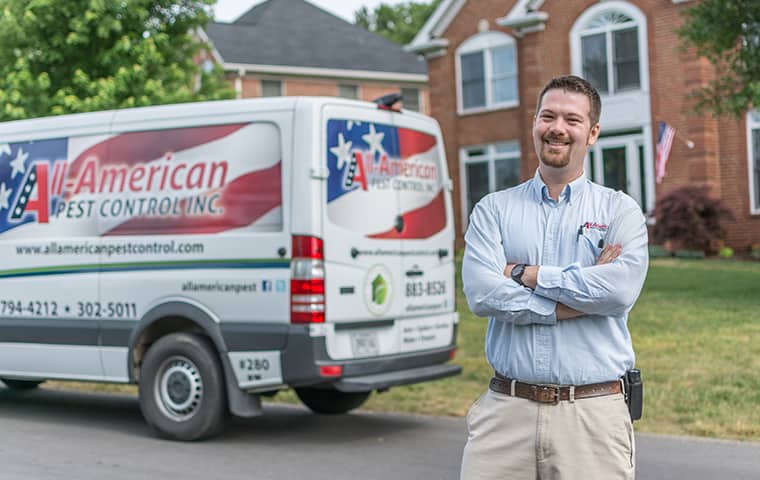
(379, 290)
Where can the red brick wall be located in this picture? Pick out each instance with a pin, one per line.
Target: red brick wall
(718, 159)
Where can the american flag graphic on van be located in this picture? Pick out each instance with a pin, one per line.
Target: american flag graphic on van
(379, 172)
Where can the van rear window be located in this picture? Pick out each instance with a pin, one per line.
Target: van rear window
(378, 173)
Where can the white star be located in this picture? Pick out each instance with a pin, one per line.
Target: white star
(5, 195)
(18, 163)
(5, 149)
(342, 151)
(375, 140)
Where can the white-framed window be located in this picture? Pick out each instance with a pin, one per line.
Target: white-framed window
(348, 91)
(486, 66)
(609, 44)
(485, 169)
(271, 88)
(753, 160)
(411, 98)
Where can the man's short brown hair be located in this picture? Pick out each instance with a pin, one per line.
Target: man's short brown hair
(575, 84)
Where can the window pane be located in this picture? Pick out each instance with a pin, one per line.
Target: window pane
(756, 165)
(477, 183)
(507, 172)
(473, 80)
(626, 59)
(503, 60)
(615, 174)
(348, 91)
(594, 52)
(507, 148)
(271, 88)
(411, 98)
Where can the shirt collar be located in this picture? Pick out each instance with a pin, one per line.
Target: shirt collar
(572, 191)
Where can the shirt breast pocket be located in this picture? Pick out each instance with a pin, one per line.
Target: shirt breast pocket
(590, 245)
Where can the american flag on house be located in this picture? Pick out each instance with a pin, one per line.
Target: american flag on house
(665, 136)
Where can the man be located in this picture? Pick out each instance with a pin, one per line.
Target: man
(556, 263)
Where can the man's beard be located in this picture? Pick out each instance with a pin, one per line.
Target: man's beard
(556, 159)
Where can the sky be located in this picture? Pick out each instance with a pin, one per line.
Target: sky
(229, 10)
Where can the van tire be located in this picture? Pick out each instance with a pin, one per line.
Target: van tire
(21, 384)
(330, 401)
(182, 393)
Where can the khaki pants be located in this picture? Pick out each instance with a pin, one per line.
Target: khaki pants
(515, 438)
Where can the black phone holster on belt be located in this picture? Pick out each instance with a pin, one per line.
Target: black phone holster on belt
(634, 392)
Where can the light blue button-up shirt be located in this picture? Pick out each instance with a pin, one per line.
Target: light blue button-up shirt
(523, 224)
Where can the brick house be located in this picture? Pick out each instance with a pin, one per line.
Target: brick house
(291, 47)
(488, 59)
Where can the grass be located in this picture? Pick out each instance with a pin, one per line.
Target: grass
(696, 331)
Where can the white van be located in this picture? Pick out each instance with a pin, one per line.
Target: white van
(215, 252)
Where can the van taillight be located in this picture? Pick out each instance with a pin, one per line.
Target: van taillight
(307, 280)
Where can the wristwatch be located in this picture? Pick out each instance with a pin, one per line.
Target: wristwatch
(517, 273)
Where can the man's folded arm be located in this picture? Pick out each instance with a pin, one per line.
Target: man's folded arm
(489, 293)
(608, 289)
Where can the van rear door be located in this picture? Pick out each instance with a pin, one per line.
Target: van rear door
(363, 271)
(427, 236)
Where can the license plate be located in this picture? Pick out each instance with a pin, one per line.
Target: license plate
(364, 344)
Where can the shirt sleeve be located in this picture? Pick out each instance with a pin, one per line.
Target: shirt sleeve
(489, 293)
(609, 289)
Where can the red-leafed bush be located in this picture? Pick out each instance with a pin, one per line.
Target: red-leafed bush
(689, 218)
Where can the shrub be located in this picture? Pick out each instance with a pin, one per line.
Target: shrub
(688, 218)
(755, 251)
(726, 252)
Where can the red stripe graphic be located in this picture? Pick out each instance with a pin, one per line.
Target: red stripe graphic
(412, 142)
(423, 222)
(244, 200)
(141, 147)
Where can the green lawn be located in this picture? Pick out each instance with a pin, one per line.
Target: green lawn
(696, 331)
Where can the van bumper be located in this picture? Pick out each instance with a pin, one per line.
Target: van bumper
(305, 354)
(383, 381)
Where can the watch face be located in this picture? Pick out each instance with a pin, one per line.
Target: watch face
(517, 273)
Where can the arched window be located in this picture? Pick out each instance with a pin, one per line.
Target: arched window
(487, 72)
(607, 41)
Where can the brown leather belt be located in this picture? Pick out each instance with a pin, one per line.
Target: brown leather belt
(553, 393)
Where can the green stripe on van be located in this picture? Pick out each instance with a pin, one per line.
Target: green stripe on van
(136, 266)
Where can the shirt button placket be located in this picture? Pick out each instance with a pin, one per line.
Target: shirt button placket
(543, 339)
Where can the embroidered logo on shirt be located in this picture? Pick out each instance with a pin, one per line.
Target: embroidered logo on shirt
(595, 226)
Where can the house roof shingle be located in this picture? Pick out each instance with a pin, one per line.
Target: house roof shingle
(295, 33)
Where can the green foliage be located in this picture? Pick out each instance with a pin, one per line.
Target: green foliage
(82, 55)
(726, 252)
(727, 33)
(398, 23)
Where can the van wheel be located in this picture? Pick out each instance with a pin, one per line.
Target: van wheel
(330, 401)
(182, 392)
(21, 384)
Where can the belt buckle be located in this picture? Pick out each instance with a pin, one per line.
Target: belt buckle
(546, 393)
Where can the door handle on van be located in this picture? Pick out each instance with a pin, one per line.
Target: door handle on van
(399, 223)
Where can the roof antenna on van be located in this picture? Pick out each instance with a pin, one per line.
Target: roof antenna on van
(386, 102)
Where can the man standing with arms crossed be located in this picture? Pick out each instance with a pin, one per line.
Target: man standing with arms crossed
(556, 263)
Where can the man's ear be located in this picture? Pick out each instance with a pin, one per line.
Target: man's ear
(593, 134)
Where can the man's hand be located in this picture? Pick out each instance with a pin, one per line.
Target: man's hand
(609, 254)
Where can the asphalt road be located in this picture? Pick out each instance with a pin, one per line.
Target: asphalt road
(48, 434)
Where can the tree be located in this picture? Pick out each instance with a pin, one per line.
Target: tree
(84, 55)
(727, 33)
(398, 23)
